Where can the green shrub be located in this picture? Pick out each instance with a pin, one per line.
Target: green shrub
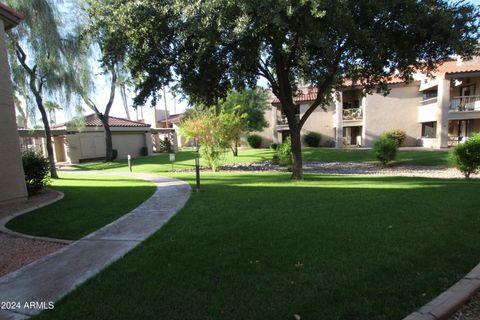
(214, 155)
(385, 149)
(275, 159)
(466, 156)
(36, 168)
(284, 153)
(312, 139)
(274, 146)
(165, 145)
(398, 135)
(144, 151)
(254, 140)
(114, 154)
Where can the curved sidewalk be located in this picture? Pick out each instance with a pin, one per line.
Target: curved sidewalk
(55, 275)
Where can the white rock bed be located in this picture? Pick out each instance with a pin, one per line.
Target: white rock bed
(356, 168)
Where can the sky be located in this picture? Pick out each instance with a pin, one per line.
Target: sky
(174, 105)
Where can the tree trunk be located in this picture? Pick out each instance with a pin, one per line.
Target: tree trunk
(297, 164)
(235, 148)
(108, 138)
(294, 127)
(48, 136)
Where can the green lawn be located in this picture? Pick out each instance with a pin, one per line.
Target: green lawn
(259, 246)
(186, 159)
(91, 201)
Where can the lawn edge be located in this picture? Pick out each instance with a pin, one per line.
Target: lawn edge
(3, 222)
(452, 299)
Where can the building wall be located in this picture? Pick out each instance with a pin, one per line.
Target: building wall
(13, 186)
(268, 134)
(91, 145)
(397, 110)
(320, 121)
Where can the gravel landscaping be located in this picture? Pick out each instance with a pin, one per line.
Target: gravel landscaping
(470, 311)
(15, 252)
(356, 168)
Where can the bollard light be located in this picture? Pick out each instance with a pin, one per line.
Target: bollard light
(129, 158)
(171, 157)
(197, 171)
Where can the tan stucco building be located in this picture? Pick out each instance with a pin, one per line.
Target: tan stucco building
(75, 142)
(435, 112)
(13, 186)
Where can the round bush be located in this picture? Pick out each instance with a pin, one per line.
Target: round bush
(254, 140)
(385, 149)
(36, 168)
(284, 153)
(274, 146)
(312, 139)
(398, 135)
(466, 156)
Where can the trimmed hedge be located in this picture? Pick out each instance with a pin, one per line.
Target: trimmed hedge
(466, 156)
(398, 135)
(254, 140)
(385, 149)
(312, 139)
(37, 169)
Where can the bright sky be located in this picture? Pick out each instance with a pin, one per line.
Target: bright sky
(173, 105)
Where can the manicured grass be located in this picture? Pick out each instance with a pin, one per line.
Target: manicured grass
(405, 157)
(90, 202)
(186, 159)
(259, 246)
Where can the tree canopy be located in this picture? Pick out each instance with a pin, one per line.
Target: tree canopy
(212, 46)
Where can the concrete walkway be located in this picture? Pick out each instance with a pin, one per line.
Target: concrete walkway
(55, 275)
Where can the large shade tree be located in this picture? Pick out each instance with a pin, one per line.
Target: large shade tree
(213, 46)
(40, 56)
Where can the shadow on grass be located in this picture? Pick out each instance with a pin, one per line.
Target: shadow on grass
(258, 246)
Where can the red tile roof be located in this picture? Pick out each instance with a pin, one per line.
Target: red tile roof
(453, 67)
(449, 67)
(9, 16)
(93, 121)
(175, 118)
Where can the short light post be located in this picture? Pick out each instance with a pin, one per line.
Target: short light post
(197, 172)
(171, 157)
(197, 166)
(129, 159)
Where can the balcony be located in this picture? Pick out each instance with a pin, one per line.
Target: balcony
(465, 103)
(426, 102)
(353, 114)
(282, 122)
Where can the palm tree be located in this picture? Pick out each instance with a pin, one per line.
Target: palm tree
(40, 59)
(51, 108)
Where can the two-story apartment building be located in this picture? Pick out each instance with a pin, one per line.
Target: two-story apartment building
(435, 112)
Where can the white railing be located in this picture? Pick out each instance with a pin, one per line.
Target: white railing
(429, 101)
(465, 103)
(352, 114)
(283, 121)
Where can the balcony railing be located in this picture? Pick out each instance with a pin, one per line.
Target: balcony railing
(465, 103)
(283, 121)
(352, 114)
(429, 101)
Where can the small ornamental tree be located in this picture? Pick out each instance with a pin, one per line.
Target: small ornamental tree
(234, 125)
(207, 129)
(466, 156)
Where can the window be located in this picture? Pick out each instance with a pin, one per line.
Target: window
(429, 94)
(429, 130)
